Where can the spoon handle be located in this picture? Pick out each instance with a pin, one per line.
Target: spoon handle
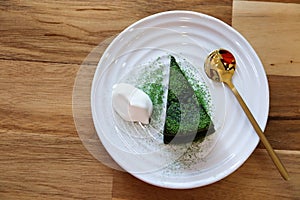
(259, 132)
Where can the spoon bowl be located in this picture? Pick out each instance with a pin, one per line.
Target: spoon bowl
(220, 65)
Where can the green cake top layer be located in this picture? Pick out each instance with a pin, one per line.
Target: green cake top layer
(185, 116)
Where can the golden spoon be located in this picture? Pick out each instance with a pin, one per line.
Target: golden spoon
(220, 66)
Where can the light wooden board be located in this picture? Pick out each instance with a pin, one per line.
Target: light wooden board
(273, 29)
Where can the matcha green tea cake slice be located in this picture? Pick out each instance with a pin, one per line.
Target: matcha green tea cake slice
(186, 119)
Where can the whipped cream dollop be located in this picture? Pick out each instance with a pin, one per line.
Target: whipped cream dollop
(131, 103)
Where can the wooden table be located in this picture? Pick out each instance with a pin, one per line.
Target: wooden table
(42, 46)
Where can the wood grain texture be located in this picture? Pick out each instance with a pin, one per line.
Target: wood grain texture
(41, 154)
(273, 31)
(43, 166)
(66, 31)
(277, 1)
(283, 134)
(254, 180)
(284, 89)
(36, 97)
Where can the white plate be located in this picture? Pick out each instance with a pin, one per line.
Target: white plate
(191, 37)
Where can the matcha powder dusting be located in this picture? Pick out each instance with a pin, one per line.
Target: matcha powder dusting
(181, 103)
